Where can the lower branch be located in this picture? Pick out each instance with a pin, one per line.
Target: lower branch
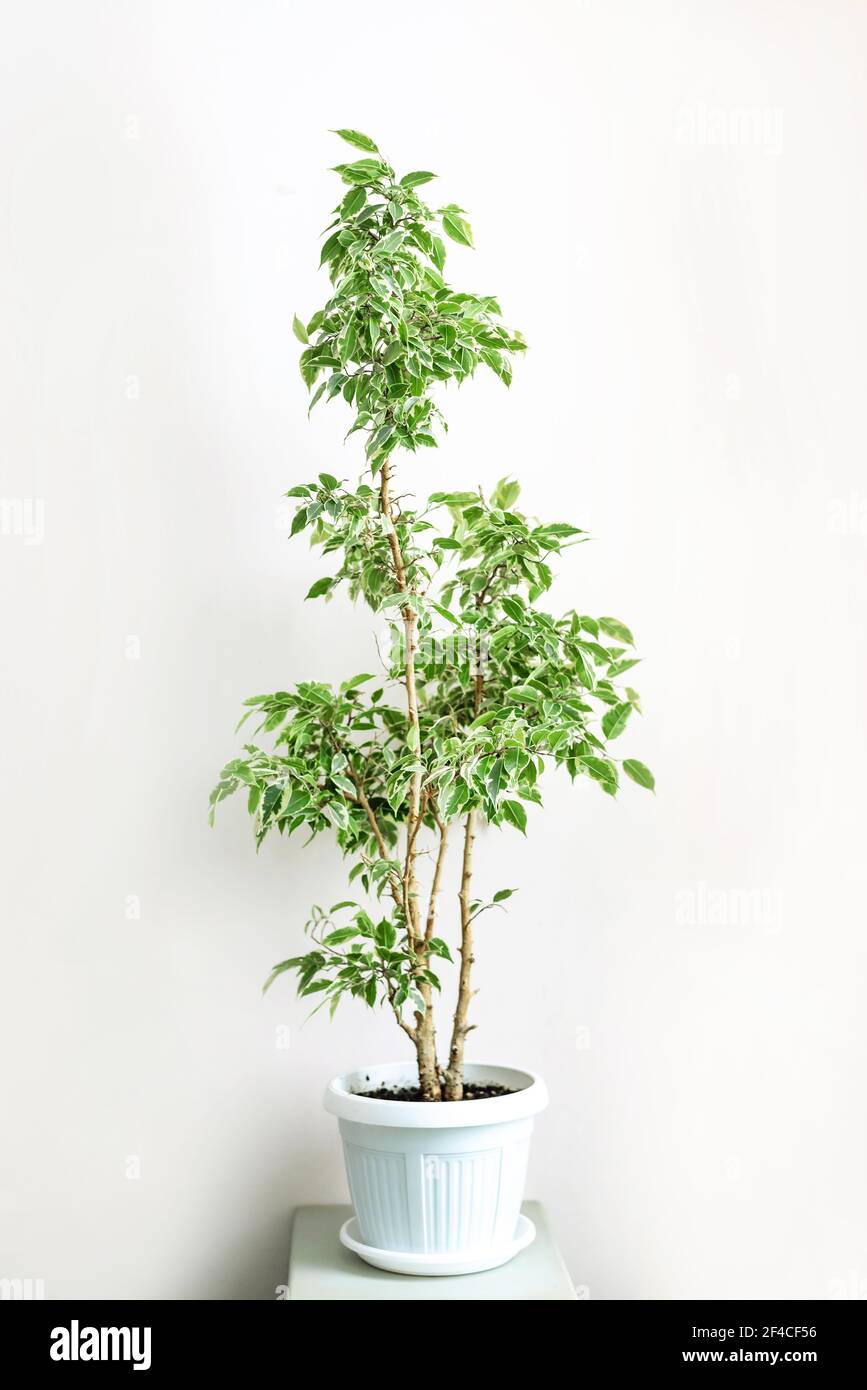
(362, 801)
(398, 1016)
(438, 873)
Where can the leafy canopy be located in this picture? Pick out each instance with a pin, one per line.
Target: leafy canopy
(393, 328)
(505, 688)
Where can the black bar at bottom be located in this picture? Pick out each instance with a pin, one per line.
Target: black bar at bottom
(155, 1339)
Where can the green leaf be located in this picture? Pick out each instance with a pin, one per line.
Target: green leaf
(385, 934)
(619, 667)
(391, 242)
(308, 370)
(355, 137)
(515, 813)
(321, 586)
(337, 814)
(363, 171)
(335, 938)
(498, 364)
(416, 178)
(583, 669)
(314, 987)
(454, 499)
(495, 777)
(355, 199)
(299, 330)
(506, 494)
(614, 722)
(613, 627)
(370, 991)
(330, 248)
(378, 440)
(278, 970)
(525, 694)
(561, 530)
(504, 893)
(444, 613)
(438, 947)
(514, 608)
(601, 771)
(457, 228)
(639, 773)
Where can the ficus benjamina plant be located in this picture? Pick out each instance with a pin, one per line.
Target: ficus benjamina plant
(480, 689)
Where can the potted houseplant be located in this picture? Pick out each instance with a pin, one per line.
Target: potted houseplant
(481, 690)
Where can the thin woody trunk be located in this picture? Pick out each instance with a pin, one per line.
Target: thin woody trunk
(425, 1034)
(454, 1078)
(426, 1052)
(454, 1087)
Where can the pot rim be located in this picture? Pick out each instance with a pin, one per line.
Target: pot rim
(341, 1098)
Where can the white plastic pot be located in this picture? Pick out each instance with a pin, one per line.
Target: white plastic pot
(436, 1188)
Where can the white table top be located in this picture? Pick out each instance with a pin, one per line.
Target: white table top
(321, 1269)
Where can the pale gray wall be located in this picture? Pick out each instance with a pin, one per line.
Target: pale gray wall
(669, 199)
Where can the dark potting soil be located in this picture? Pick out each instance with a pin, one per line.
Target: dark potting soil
(473, 1090)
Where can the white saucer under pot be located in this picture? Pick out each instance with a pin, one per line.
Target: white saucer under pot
(436, 1187)
(397, 1262)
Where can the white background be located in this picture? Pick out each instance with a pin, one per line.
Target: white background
(669, 200)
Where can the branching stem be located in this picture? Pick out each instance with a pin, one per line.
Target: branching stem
(425, 1035)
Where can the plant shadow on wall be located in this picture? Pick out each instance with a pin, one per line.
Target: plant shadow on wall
(482, 687)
